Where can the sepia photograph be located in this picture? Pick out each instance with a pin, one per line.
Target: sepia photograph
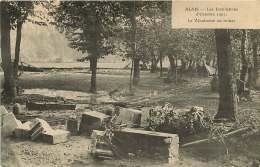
(149, 83)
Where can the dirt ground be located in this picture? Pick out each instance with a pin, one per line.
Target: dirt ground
(151, 91)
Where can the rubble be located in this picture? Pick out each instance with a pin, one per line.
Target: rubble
(39, 129)
(55, 136)
(130, 116)
(23, 130)
(8, 122)
(100, 149)
(123, 142)
(136, 118)
(92, 121)
(3, 111)
(72, 125)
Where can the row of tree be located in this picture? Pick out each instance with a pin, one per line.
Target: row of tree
(13, 15)
(140, 31)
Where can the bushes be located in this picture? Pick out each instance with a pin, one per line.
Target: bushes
(167, 119)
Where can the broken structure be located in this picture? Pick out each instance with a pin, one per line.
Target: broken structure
(141, 143)
(92, 120)
(8, 122)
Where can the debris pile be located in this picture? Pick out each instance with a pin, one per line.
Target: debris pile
(8, 122)
(39, 129)
(128, 116)
(118, 141)
(125, 142)
(100, 149)
(36, 129)
(167, 119)
(142, 143)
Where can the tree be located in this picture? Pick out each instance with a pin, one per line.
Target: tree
(21, 11)
(255, 71)
(244, 62)
(134, 15)
(227, 82)
(9, 83)
(13, 15)
(88, 26)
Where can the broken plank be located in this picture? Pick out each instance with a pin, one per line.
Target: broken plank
(230, 134)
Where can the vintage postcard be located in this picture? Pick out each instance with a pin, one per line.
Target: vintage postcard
(130, 83)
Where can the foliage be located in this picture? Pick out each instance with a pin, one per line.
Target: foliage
(167, 119)
(87, 25)
(22, 11)
(148, 17)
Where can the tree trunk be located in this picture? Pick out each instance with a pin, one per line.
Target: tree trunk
(214, 62)
(154, 64)
(250, 81)
(161, 65)
(176, 72)
(172, 68)
(93, 66)
(183, 66)
(227, 82)
(136, 60)
(136, 72)
(17, 48)
(190, 66)
(256, 61)
(244, 70)
(131, 75)
(9, 85)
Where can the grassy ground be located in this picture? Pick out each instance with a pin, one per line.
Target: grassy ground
(190, 92)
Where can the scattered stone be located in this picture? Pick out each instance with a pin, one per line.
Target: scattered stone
(37, 134)
(38, 127)
(3, 111)
(34, 126)
(55, 136)
(23, 130)
(107, 109)
(99, 149)
(72, 125)
(150, 144)
(92, 121)
(9, 123)
(130, 116)
(136, 121)
(45, 125)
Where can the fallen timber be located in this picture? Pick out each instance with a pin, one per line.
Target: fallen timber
(49, 106)
(230, 134)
